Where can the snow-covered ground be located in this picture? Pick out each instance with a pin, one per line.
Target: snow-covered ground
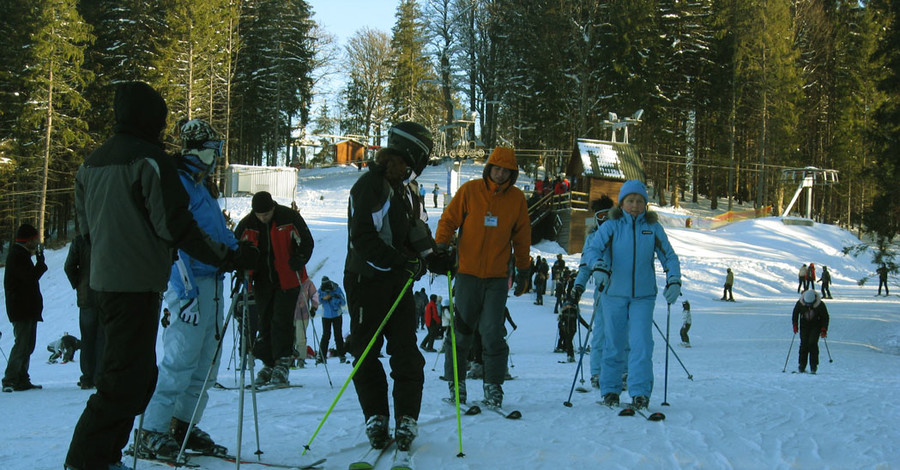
(739, 410)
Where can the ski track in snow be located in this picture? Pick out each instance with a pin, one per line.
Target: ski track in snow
(740, 411)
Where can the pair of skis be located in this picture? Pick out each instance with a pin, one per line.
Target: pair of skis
(401, 460)
(478, 405)
(629, 410)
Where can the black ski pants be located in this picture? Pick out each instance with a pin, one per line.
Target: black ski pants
(369, 301)
(809, 346)
(335, 324)
(275, 308)
(684, 333)
(25, 333)
(130, 322)
(93, 342)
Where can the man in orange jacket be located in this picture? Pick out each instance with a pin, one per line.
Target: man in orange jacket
(491, 214)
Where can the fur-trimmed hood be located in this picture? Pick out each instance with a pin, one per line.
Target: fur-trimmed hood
(617, 213)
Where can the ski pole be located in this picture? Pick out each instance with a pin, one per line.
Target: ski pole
(665, 401)
(568, 402)
(455, 363)
(321, 353)
(789, 352)
(436, 356)
(509, 356)
(1, 349)
(137, 440)
(359, 361)
(828, 350)
(690, 377)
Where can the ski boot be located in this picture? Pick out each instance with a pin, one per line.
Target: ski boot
(156, 445)
(640, 402)
(595, 381)
(198, 440)
(462, 392)
(405, 432)
(493, 394)
(263, 376)
(611, 399)
(377, 431)
(280, 372)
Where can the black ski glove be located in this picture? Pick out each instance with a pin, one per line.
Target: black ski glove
(521, 282)
(415, 268)
(297, 261)
(441, 261)
(244, 257)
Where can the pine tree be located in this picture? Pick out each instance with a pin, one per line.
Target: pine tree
(409, 64)
(51, 132)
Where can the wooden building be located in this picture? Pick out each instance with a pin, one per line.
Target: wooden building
(595, 168)
(349, 151)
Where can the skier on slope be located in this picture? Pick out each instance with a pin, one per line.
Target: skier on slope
(284, 240)
(387, 241)
(622, 260)
(491, 215)
(195, 296)
(810, 319)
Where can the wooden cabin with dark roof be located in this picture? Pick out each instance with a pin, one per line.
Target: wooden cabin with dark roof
(596, 167)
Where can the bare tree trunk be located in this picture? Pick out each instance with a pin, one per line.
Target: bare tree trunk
(43, 207)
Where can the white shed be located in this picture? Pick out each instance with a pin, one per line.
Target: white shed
(280, 181)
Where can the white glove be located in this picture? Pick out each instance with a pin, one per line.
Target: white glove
(601, 275)
(672, 292)
(190, 312)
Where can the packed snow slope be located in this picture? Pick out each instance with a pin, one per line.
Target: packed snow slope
(734, 404)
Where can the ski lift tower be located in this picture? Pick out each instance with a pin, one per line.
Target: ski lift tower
(806, 178)
(615, 123)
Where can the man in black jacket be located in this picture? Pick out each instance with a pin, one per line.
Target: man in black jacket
(24, 305)
(286, 244)
(387, 241)
(133, 209)
(93, 340)
(812, 315)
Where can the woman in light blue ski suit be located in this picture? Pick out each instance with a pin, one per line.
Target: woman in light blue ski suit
(195, 300)
(621, 255)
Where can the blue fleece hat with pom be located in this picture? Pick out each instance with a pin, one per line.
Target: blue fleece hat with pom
(633, 187)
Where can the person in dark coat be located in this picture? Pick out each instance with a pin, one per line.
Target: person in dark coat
(133, 209)
(93, 340)
(283, 236)
(825, 279)
(810, 318)
(24, 305)
(883, 279)
(387, 244)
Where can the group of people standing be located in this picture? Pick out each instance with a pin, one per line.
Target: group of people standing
(806, 279)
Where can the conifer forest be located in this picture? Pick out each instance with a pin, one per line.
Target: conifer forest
(732, 91)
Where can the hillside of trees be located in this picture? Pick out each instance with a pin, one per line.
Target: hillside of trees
(733, 91)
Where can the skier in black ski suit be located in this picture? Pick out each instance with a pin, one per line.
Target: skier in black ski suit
(387, 241)
(812, 315)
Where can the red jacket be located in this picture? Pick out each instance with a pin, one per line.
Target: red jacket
(287, 233)
(432, 315)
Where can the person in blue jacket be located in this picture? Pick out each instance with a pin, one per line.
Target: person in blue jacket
(621, 258)
(196, 300)
(601, 209)
(331, 298)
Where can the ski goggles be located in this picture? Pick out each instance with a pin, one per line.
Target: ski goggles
(216, 145)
